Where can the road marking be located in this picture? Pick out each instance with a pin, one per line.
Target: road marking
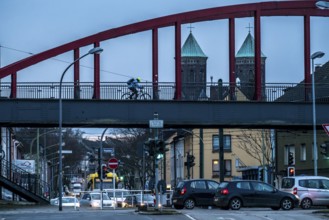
(190, 217)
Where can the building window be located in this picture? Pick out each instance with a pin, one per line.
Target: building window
(227, 143)
(216, 169)
(302, 152)
(228, 167)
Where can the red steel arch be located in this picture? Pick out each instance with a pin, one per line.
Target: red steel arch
(305, 8)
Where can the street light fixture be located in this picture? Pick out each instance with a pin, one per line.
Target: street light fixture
(95, 50)
(314, 56)
(322, 4)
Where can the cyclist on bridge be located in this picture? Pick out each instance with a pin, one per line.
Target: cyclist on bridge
(133, 84)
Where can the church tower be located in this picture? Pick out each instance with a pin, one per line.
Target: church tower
(194, 70)
(245, 69)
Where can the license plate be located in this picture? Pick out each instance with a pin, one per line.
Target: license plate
(175, 200)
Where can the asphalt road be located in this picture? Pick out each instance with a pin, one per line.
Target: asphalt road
(84, 213)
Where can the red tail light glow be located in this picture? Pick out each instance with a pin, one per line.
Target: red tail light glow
(224, 192)
(183, 191)
(294, 191)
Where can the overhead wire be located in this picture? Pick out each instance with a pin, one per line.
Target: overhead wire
(64, 61)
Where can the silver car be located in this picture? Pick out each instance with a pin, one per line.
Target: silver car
(94, 200)
(312, 190)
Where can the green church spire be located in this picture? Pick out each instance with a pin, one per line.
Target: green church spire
(248, 48)
(191, 48)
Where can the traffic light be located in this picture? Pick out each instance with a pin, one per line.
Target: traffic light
(189, 161)
(260, 174)
(160, 147)
(291, 171)
(104, 172)
(149, 147)
(291, 158)
(325, 149)
(155, 147)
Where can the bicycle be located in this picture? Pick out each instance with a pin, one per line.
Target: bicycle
(141, 95)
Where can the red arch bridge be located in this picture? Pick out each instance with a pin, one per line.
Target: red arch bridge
(100, 104)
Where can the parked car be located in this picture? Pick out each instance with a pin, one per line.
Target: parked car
(147, 200)
(196, 192)
(252, 193)
(138, 200)
(312, 190)
(129, 201)
(94, 200)
(120, 195)
(67, 201)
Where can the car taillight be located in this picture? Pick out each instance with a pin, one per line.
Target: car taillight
(224, 192)
(183, 191)
(294, 191)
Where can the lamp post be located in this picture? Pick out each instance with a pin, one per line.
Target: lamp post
(314, 56)
(100, 165)
(95, 50)
(322, 4)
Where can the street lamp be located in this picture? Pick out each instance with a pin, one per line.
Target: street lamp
(95, 50)
(100, 155)
(322, 4)
(314, 56)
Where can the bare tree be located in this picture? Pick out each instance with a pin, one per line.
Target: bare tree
(128, 144)
(257, 144)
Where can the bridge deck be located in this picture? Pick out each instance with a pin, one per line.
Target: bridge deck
(137, 113)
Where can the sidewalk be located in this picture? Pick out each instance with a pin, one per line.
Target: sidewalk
(11, 207)
(25, 207)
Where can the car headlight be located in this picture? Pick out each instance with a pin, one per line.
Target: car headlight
(94, 204)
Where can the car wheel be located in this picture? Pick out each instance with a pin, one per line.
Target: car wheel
(178, 206)
(235, 204)
(286, 204)
(189, 204)
(306, 203)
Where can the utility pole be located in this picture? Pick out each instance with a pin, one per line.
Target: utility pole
(156, 124)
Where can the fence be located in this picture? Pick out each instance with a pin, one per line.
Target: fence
(270, 92)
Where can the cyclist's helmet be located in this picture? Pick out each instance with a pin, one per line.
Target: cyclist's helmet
(138, 79)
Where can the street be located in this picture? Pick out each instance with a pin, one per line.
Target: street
(52, 213)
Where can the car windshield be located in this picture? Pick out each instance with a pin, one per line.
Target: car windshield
(223, 184)
(180, 185)
(287, 183)
(68, 200)
(97, 196)
(119, 193)
(146, 197)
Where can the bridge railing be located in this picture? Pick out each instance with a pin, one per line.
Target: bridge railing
(270, 92)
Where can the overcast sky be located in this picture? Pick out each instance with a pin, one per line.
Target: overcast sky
(33, 26)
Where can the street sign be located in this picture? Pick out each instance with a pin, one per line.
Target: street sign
(113, 163)
(108, 150)
(326, 128)
(66, 151)
(156, 123)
